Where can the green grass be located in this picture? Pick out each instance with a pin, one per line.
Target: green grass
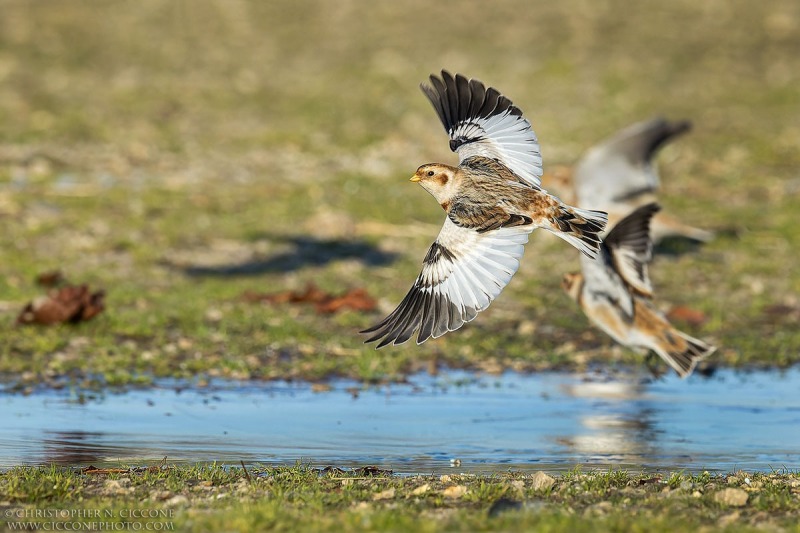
(215, 497)
(144, 143)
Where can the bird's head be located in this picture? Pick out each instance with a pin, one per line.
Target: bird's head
(572, 283)
(439, 180)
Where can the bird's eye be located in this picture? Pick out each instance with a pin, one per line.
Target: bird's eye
(430, 173)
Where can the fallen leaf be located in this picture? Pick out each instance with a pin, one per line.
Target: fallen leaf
(50, 279)
(355, 299)
(311, 294)
(687, 315)
(71, 304)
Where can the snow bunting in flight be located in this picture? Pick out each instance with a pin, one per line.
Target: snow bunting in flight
(614, 291)
(493, 200)
(619, 175)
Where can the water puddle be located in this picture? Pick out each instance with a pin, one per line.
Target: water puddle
(458, 422)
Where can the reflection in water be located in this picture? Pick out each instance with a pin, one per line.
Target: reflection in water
(543, 421)
(620, 426)
(72, 447)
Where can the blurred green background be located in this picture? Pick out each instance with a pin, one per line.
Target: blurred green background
(178, 153)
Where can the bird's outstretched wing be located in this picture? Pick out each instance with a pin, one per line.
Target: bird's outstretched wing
(631, 249)
(483, 122)
(462, 273)
(621, 267)
(621, 167)
(604, 288)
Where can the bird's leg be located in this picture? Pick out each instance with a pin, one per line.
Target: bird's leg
(653, 363)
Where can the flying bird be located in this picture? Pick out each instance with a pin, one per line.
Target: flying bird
(615, 293)
(493, 200)
(620, 174)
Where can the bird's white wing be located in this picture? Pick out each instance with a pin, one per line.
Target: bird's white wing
(621, 265)
(603, 286)
(483, 122)
(621, 167)
(462, 273)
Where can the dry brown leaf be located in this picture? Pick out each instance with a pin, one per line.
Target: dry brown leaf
(687, 315)
(71, 304)
(311, 294)
(356, 299)
(50, 279)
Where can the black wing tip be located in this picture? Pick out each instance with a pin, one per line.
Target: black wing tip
(642, 140)
(457, 98)
(667, 131)
(636, 221)
(399, 326)
(663, 128)
(646, 211)
(427, 312)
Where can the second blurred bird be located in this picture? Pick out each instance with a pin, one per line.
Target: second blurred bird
(619, 175)
(615, 293)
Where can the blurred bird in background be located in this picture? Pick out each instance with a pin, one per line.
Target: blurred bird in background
(619, 175)
(615, 293)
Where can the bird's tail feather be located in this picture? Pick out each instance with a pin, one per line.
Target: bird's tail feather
(580, 227)
(684, 361)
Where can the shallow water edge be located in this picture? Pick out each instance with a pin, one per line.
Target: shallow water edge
(454, 422)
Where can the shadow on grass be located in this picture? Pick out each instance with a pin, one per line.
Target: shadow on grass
(675, 246)
(308, 251)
